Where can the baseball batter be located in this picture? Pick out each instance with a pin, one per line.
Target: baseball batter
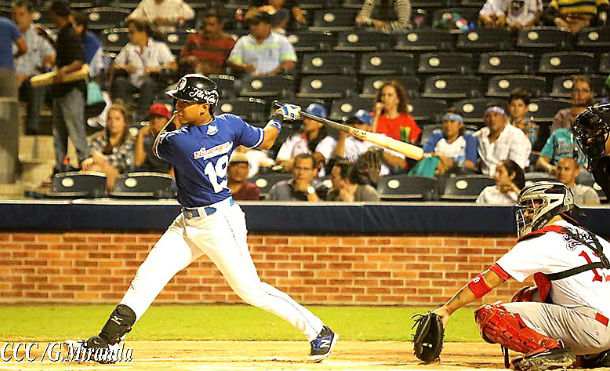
(567, 313)
(210, 222)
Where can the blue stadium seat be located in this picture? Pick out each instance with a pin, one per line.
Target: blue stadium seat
(342, 109)
(105, 17)
(472, 110)
(445, 62)
(566, 62)
(267, 86)
(363, 41)
(452, 87)
(327, 87)
(427, 110)
(544, 38)
(562, 86)
(485, 39)
(333, 20)
(371, 84)
(497, 63)
(308, 41)
(500, 86)
(386, 63)
(465, 187)
(543, 110)
(252, 110)
(424, 40)
(328, 63)
(404, 188)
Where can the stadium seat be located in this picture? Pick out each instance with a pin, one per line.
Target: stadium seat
(127, 4)
(485, 39)
(145, 185)
(426, 131)
(313, 4)
(115, 39)
(544, 109)
(403, 187)
(267, 86)
(535, 176)
(426, 110)
(352, 4)
(566, 62)
(328, 63)
(593, 38)
(342, 109)
(264, 182)
(103, 17)
(363, 41)
(236, 4)
(465, 187)
(445, 62)
(226, 85)
(371, 84)
(545, 38)
(386, 63)
(177, 40)
(562, 86)
(472, 3)
(472, 110)
(327, 87)
(500, 86)
(470, 14)
(604, 63)
(307, 41)
(452, 87)
(497, 63)
(429, 3)
(250, 109)
(424, 40)
(78, 185)
(41, 17)
(333, 20)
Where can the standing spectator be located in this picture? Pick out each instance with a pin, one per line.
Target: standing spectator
(567, 172)
(510, 180)
(350, 184)
(39, 57)
(141, 59)
(300, 186)
(207, 50)
(68, 98)
(385, 15)
(112, 149)
(92, 47)
(575, 14)
(262, 52)
(165, 14)
(582, 96)
(144, 159)
(453, 145)
(9, 34)
(499, 141)
(237, 174)
(518, 108)
(391, 116)
(515, 14)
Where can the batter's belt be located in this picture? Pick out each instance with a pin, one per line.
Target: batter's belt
(196, 212)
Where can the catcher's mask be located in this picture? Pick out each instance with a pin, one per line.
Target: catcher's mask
(539, 202)
(591, 129)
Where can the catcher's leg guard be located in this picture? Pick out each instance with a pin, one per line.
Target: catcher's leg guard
(119, 324)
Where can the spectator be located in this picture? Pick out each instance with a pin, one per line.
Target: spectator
(165, 14)
(144, 158)
(262, 52)
(518, 107)
(112, 149)
(515, 14)
(453, 145)
(92, 47)
(142, 58)
(258, 160)
(313, 140)
(280, 12)
(575, 14)
(39, 57)
(560, 144)
(350, 184)
(300, 187)
(68, 98)
(567, 172)
(391, 115)
(207, 50)
(385, 15)
(9, 34)
(237, 172)
(509, 182)
(582, 96)
(499, 141)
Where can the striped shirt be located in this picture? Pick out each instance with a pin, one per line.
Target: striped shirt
(214, 51)
(266, 56)
(401, 7)
(38, 48)
(565, 7)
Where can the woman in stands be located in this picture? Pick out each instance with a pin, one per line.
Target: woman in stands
(385, 15)
(510, 179)
(112, 149)
(391, 116)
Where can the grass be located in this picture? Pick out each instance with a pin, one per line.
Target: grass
(220, 322)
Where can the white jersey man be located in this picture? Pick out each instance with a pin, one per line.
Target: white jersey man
(567, 313)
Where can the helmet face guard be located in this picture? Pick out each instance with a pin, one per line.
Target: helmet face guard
(592, 128)
(540, 202)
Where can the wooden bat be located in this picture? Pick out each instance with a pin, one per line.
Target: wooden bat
(381, 140)
(47, 78)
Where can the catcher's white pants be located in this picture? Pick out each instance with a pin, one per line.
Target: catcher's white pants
(222, 237)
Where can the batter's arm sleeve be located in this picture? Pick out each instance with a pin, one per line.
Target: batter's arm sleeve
(245, 134)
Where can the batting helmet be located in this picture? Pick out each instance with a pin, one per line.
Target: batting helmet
(195, 88)
(591, 129)
(539, 202)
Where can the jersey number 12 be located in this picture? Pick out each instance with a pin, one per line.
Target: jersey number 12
(217, 173)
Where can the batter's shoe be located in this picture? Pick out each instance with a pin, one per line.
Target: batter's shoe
(323, 344)
(93, 349)
(552, 358)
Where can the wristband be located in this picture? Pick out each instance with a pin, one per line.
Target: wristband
(478, 286)
(276, 124)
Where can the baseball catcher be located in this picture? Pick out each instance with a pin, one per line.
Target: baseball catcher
(566, 314)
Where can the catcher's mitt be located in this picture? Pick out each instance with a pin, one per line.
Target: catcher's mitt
(428, 339)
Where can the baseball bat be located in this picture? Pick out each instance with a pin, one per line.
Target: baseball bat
(47, 78)
(381, 140)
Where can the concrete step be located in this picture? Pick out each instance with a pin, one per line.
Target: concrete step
(38, 149)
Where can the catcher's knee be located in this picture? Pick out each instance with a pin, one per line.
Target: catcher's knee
(119, 324)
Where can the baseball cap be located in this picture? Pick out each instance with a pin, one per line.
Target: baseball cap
(316, 109)
(238, 157)
(158, 109)
(363, 116)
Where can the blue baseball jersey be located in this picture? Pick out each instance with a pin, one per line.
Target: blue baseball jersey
(200, 156)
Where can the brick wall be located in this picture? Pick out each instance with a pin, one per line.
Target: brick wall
(346, 269)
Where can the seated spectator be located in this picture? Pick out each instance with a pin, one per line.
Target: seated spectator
(575, 14)
(112, 149)
(391, 115)
(567, 172)
(262, 52)
(280, 11)
(560, 144)
(141, 59)
(39, 58)
(509, 182)
(92, 47)
(385, 16)
(350, 184)
(518, 107)
(582, 96)
(207, 50)
(453, 145)
(300, 187)
(499, 141)
(312, 140)
(144, 158)
(514, 14)
(165, 14)
(237, 173)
